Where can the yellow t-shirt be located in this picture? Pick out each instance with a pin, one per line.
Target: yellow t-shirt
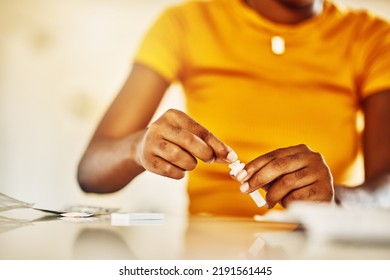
(257, 101)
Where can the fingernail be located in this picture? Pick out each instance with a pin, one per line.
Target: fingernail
(266, 205)
(232, 156)
(211, 160)
(241, 175)
(244, 187)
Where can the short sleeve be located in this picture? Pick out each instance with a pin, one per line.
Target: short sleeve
(376, 60)
(161, 48)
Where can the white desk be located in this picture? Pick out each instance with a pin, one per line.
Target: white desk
(50, 238)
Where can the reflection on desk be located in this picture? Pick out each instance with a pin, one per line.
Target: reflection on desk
(194, 237)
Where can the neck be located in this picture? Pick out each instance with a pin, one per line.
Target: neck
(286, 11)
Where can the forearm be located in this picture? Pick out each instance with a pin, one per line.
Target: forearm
(109, 164)
(374, 192)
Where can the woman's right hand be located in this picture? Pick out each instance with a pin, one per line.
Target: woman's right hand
(172, 144)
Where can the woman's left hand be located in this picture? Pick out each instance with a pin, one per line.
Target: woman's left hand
(289, 174)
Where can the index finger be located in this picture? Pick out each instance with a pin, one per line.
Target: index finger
(222, 152)
(260, 162)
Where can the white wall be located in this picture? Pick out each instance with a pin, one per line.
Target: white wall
(61, 63)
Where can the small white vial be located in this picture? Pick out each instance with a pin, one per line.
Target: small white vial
(278, 45)
(257, 198)
(236, 167)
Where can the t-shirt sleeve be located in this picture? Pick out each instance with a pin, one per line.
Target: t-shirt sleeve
(376, 61)
(161, 47)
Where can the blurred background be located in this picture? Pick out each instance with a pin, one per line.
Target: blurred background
(61, 64)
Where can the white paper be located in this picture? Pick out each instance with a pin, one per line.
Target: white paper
(328, 222)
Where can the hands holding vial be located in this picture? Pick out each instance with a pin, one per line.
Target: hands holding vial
(287, 174)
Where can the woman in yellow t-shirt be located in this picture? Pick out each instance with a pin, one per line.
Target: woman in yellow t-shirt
(277, 84)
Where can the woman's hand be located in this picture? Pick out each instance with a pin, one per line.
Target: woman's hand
(289, 174)
(173, 143)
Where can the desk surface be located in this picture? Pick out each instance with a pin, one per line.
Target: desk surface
(48, 237)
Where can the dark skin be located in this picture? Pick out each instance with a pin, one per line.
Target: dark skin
(376, 139)
(286, 11)
(124, 145)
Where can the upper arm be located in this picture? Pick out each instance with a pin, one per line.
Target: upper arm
(135, 105)
(376, 142)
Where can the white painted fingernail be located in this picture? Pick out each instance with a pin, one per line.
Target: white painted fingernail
(232, 156)
(244, 187)
(241, 175)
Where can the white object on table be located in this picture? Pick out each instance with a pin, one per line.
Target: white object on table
(235, 168)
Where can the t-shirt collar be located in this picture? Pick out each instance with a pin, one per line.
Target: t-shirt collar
(256, 20)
